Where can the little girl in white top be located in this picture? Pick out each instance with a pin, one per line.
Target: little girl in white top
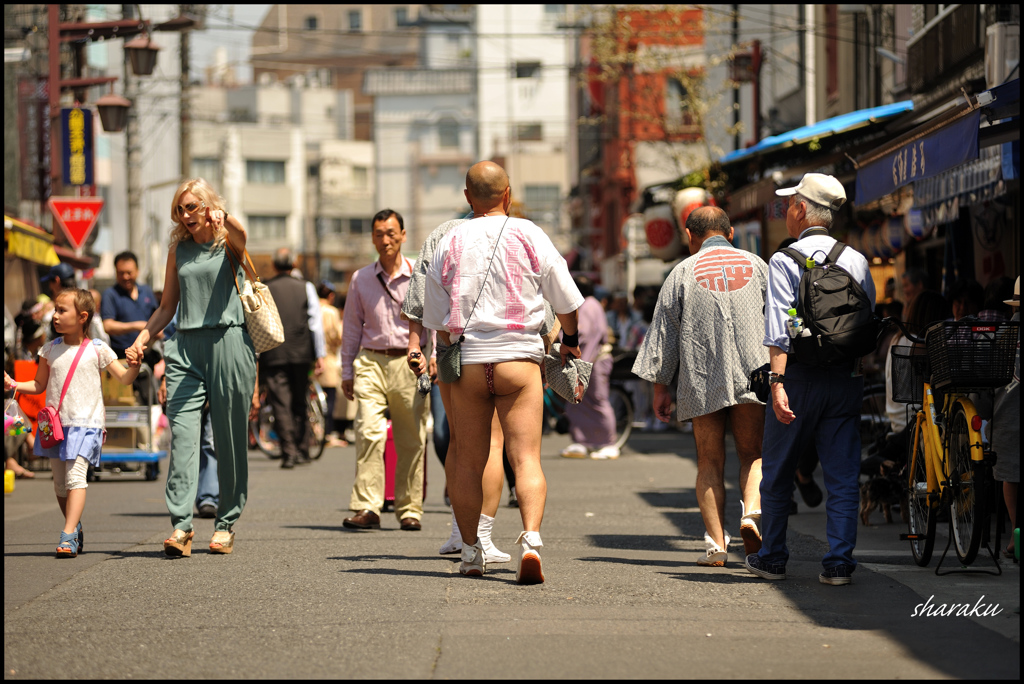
(82, 414)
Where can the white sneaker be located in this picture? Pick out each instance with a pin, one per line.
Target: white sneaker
(454, 543)
(750, 530)
(607, 453)
(529, 571)
(473, 562)
(491, 552)
(714, 555)
(574, 451)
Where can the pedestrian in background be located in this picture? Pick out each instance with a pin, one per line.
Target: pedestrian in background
(96, 330)
(810, 402)
(211, 358)
(329, 376)
(285, 369)
(69, 373)
(706, 327)
(127, 307)
(592, 421)
(374, 371)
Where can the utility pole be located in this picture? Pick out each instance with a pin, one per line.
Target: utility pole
(736, 87)
(810, 94)
(184, 106)
(136, 229)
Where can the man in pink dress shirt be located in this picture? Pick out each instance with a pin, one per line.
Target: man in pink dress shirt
(374, 373)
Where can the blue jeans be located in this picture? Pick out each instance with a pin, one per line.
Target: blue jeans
(827, 405)
(209, 487)
(442, 435)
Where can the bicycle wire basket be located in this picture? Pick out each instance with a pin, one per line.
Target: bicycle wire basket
(910, 370)
(970, 355)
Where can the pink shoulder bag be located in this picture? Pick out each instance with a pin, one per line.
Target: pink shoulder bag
(51, 433)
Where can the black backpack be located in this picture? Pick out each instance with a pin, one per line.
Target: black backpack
(836, 311)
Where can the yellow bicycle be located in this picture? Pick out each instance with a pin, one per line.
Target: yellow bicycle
(949, 467)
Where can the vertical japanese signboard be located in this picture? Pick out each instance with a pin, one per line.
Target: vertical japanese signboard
(77, 145)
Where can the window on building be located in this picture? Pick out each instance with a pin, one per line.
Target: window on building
(541, 198)
(359, 226)
(675, 104)
(402, 16)
(448, 132)
(355, 20)
(529, 131)
(266, 172)
(208, 168)
(311, 23)
(360, 178)
(554, 9)
(328, 225)
(268, 227)
(527, 69)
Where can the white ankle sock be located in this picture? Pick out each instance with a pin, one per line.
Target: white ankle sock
(454, 543)
(491, 552)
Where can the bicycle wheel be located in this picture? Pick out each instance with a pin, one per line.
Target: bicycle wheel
(966, 511)
(263, 429)
(622, 406)
(921, 514)
(315, 405)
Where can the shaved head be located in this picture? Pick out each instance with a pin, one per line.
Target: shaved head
(486, 181)
(705, 220)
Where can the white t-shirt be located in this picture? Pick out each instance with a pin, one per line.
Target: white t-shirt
(897, 412)
(527, 269)
(83, 403)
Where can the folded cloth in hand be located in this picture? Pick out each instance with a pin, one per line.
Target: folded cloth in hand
(569, 381)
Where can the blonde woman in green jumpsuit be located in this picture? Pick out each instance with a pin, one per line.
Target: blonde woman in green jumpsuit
(211, 357)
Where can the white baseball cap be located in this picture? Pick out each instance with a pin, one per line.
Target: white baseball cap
(818, 188)
(1016, 295)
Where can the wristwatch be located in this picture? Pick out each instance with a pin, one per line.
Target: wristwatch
(776, 378)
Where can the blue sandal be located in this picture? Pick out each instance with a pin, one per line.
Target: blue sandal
(68, 546)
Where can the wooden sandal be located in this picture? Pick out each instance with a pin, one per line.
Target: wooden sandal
(223, 541)
(179, 544)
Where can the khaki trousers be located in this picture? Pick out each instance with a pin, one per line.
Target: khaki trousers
(386, 382)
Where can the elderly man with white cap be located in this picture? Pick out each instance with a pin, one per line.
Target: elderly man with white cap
(809, 401)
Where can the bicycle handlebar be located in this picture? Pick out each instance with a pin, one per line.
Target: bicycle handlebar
(886, 322)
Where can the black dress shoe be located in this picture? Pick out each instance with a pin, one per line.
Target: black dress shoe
(207, 510)
(363, 520)
(411, 525)
(287, 463)
(810, 492)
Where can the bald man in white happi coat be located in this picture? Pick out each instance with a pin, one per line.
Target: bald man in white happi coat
(708, 327)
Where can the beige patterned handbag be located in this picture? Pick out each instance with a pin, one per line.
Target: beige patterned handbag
(261, 317)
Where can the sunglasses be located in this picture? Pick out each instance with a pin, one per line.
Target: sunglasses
(191, 207)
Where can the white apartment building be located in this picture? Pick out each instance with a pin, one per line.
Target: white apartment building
(278, 156)
(524, 86)
(425, 129)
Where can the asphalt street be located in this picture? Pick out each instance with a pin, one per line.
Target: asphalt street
(302, 597)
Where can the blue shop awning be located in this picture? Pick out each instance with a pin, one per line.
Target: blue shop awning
(922, 156)
(822, 129)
